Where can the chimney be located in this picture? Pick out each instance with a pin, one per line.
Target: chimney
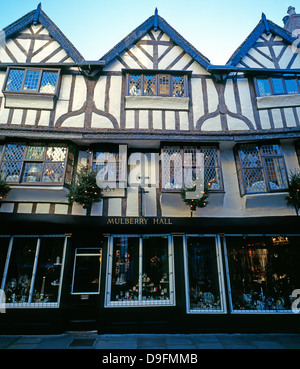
(292, 22)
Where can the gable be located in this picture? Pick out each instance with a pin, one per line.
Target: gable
(271, 51)
(33, 45)
(34, 38)
(155, 45)
(267, 46)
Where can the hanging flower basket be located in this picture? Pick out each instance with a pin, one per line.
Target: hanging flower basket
(293, 197)
(4, 188)
(198, 201)
(85, 190)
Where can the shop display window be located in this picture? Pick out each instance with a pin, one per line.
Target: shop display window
(263, 272)
(33, 271)
(203, 275)
(86, 275)
(141, 271)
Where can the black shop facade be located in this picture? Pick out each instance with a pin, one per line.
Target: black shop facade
(149, 274)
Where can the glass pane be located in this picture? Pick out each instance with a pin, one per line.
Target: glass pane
(149, 85)
(135, 85)
(56, 153)
(263, 87)
(14, 152)
(271, 150)
(15, 79)
(53, 172)
(48, 83)
(87, 273)
(18, 280)
(164, 84)
(125, 269)
(4, 243)
(35, 153)
(31, 80)
(10, 171)
(47, 277)
(276, 173)
(278, 85)
(263, 272)
(178, 86)
(155, 277)
(172, 168)
(204, 289)
(32, 172)
(291, 85)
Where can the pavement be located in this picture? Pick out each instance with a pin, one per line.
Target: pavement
(94, 341)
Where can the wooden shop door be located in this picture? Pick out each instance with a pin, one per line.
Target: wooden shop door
(85, 288)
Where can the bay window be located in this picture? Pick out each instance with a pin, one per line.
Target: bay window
(37, 163)
(261, 168)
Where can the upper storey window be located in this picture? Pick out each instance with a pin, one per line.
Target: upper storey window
(157, 85)
(261, 168)
(31, 88)
(32, 80)
(37, 164)
(278, 85)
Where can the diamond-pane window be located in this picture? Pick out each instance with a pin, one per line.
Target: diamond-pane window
(36, 164)
(15, 80)
(48, 83)
(149, 86)
(278, 85)
(262, 168)
(182, 166)
(32, 80)
(178, 86)
(109, 166)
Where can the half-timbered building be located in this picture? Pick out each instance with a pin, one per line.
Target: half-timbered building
(153, 118)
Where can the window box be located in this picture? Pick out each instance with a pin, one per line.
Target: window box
(31, 88)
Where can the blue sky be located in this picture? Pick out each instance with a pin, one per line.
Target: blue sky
(216, 28)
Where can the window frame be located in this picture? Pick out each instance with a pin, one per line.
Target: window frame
(88, 252)
(182, 147)
(220, 275)
(157, 74)
(45, 145)
(140, 303)
(122, 158)
(283, 78)
(240, 169)
(36, 261)
(36, 91)
(231, 309)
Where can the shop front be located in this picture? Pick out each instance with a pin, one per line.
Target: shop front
(100, 276)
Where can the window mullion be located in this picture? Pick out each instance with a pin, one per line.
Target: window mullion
(24, 78)
(140, 269)
(263, 164)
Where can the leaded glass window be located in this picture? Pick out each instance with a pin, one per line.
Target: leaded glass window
(181, 166)
(261, 168)
(36, 163)
(32, 80)
(157, 85)
(278, 85)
